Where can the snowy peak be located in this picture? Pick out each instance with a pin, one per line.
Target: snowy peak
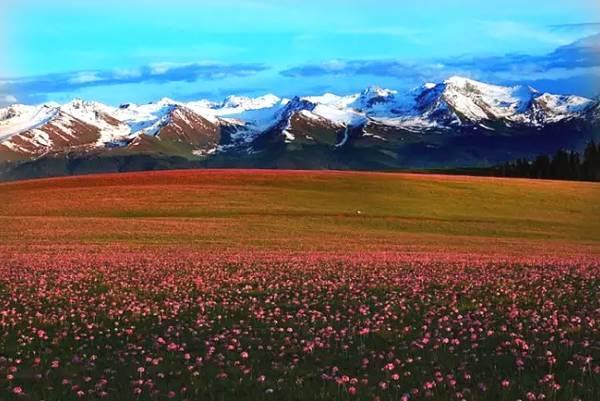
(15, 111)
(477, 101)
(19, 118)
(460, 100)
(166, 101)
(94, 113)
(547, 108)
(283, 117)
(561, 104)
(248, 103)
(375, 97)
(52, 131)
(453, 105)
(334, 111)
(495, 95)
(462, 82)
(333, 100)
(377, 91)
(298, 103)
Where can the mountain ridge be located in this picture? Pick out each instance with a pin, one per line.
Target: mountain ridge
(439, 124)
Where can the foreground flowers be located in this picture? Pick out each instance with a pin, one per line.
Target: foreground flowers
(310, 327)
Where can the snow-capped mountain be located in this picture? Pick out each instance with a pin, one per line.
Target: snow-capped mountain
(31, 133)
(461, 100)
(375, 99)
(460, 113)
(100, 116)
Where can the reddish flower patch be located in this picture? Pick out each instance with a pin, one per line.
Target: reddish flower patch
(245, 326)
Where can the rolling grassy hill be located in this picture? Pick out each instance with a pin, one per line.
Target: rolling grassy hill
(299, 210)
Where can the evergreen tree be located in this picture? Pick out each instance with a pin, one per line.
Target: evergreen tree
(564, 165)
(591, 162)
(575, 166)
(542, 168)
(559, 166)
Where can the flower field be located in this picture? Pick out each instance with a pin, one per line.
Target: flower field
(322, 286)
(258, 326)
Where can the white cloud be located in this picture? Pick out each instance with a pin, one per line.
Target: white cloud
(335, 64)
(126, 73)
(518, 30)
(161, 68)
(551, 74)
(85, 77)
(8, 99)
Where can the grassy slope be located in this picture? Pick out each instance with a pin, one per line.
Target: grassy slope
(302, 210)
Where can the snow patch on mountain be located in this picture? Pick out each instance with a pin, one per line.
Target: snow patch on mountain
(344, 138)
(339, 116)
(145, 119)
(332, 100)
(99, 115)
(259, 113)
(413, 124)
(20, 118)
(557, 107)
(477, 101)
(441, 106)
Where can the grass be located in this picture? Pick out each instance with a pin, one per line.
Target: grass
(269, 285)
(300, 210)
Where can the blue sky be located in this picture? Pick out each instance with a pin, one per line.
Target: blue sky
(117, 51)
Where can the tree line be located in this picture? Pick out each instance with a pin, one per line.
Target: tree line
(563, 165)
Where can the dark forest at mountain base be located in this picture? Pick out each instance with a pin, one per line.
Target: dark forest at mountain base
(563, 165)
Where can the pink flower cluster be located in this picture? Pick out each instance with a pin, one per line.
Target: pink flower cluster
(259, 326)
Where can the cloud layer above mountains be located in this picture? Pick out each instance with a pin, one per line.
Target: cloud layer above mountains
(573, 68)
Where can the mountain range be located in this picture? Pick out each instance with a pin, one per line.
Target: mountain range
(456, 123)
